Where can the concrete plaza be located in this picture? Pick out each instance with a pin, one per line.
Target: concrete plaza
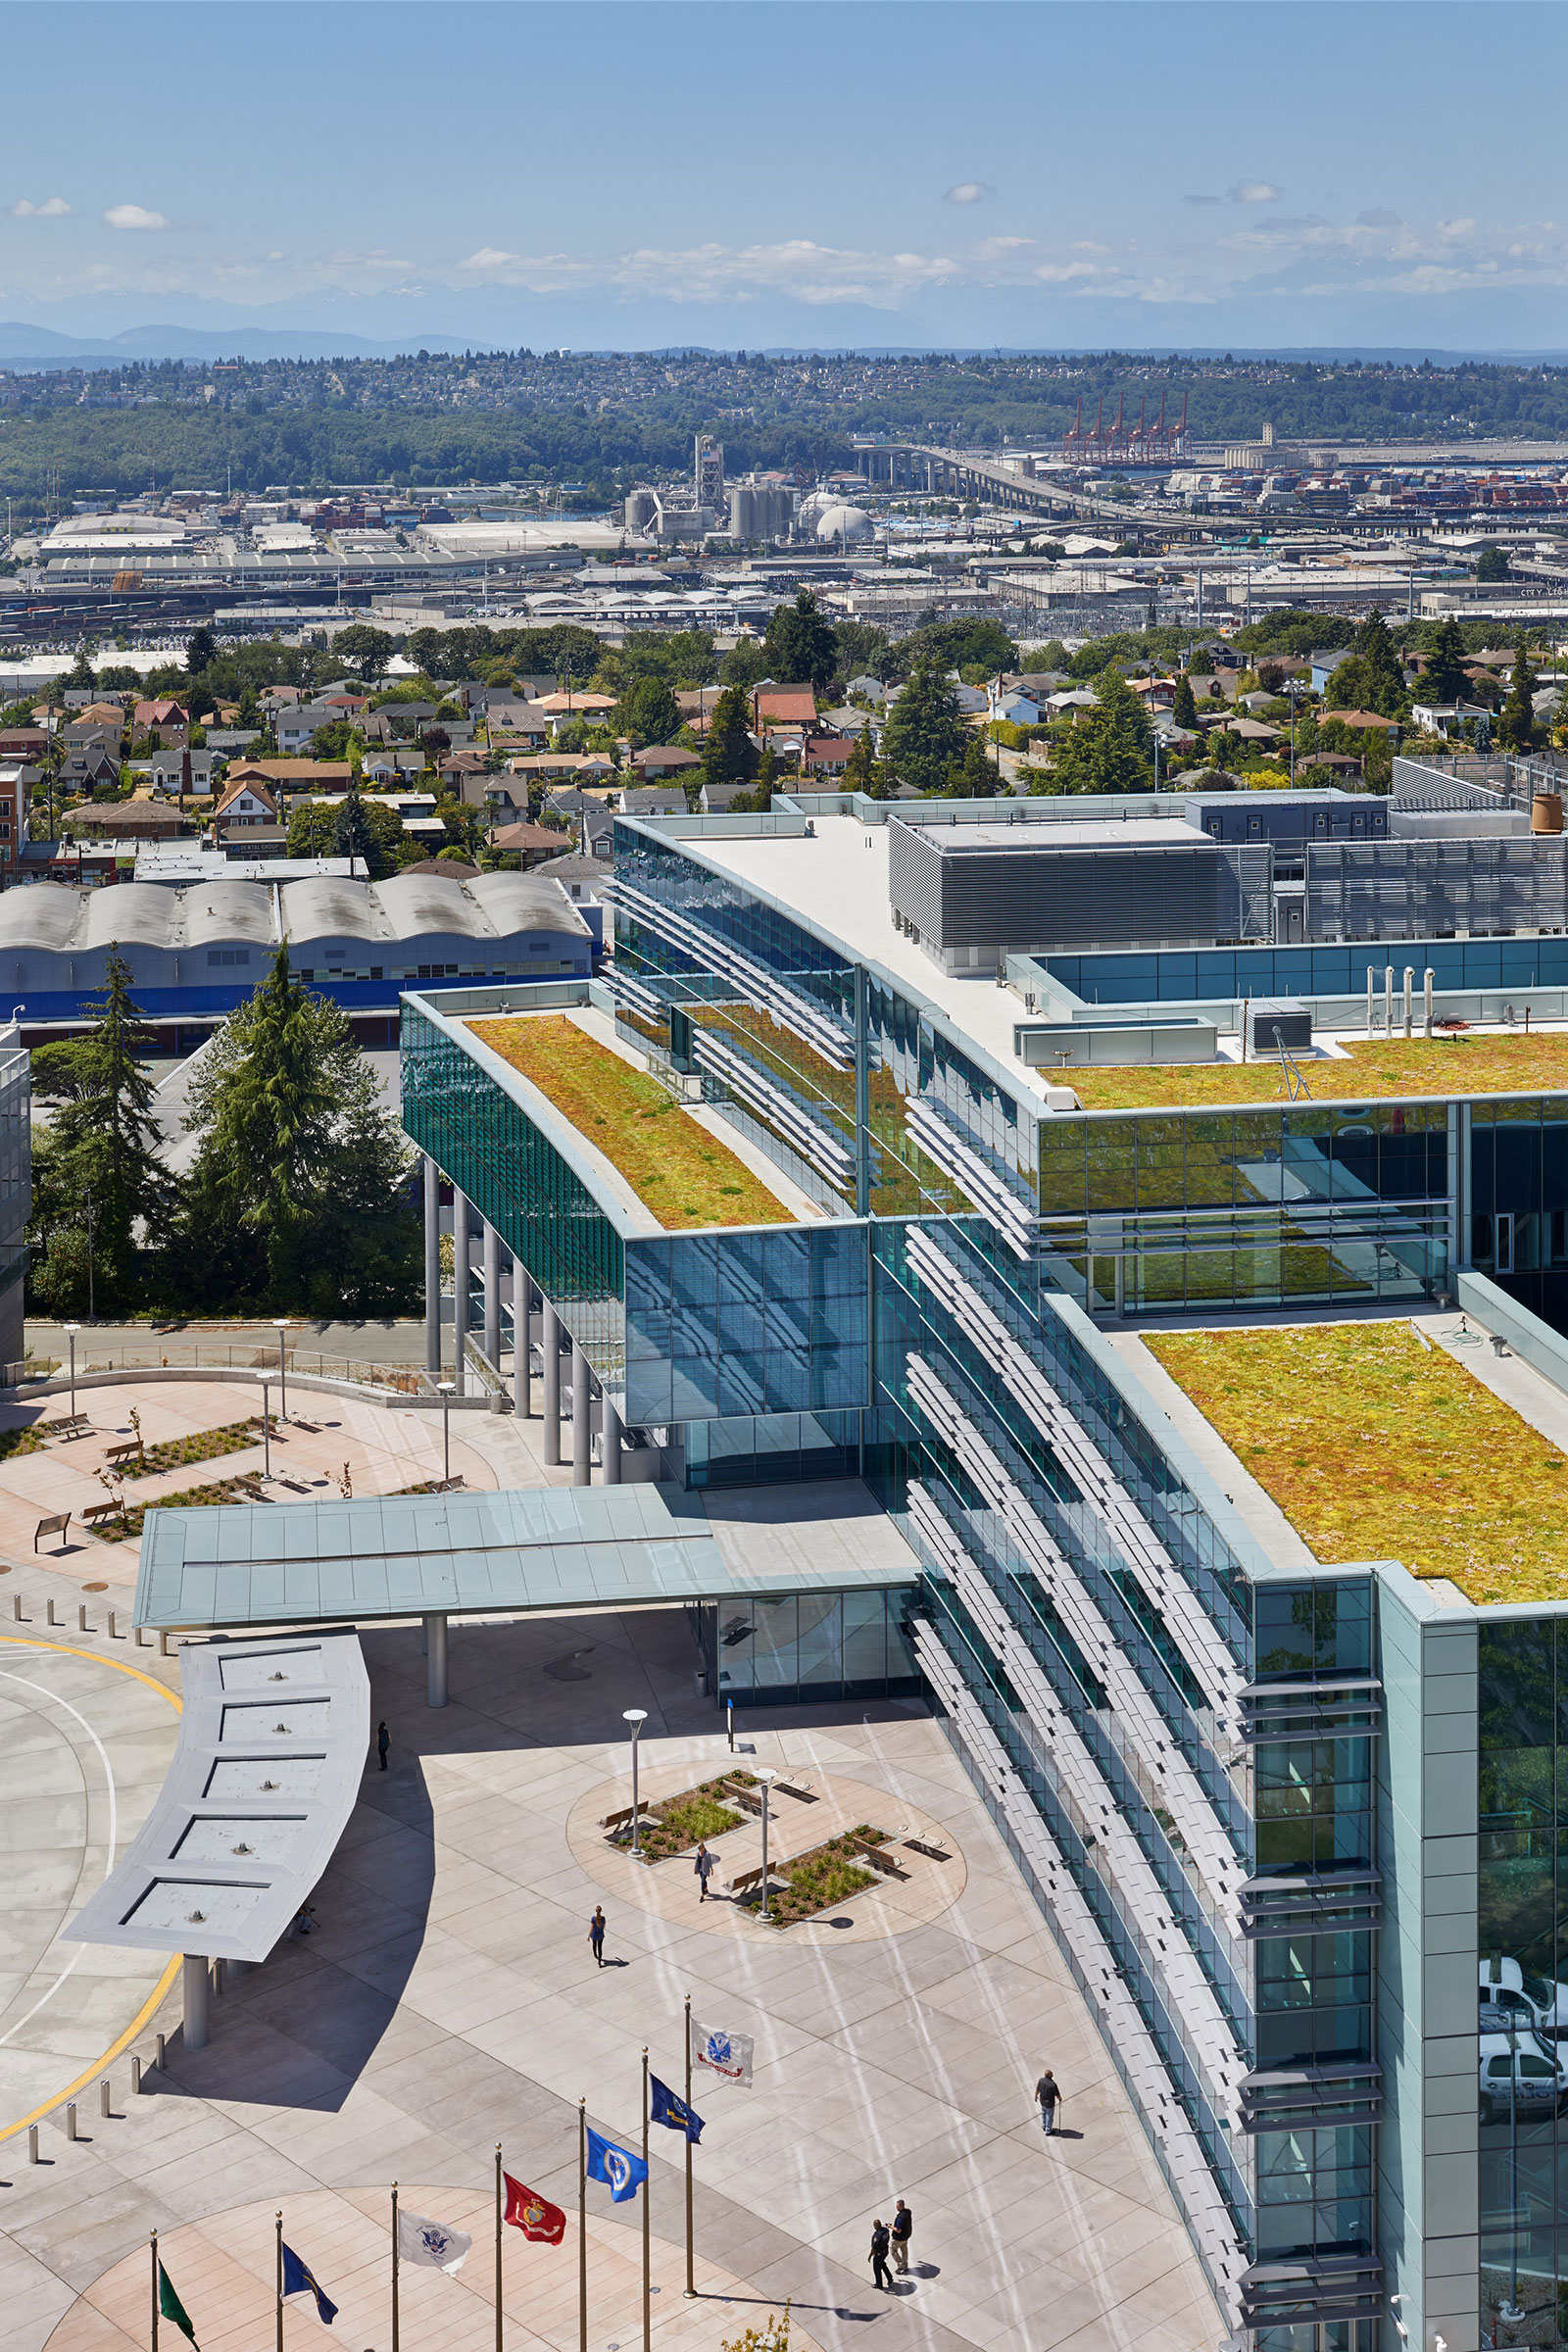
(449, 1999)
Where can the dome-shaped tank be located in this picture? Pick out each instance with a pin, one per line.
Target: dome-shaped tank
(839, 522)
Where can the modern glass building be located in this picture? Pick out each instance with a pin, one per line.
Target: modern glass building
(1233, 1784)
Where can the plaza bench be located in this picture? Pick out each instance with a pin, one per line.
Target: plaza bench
(97, 1511)
(57, 1525)
(124, 1450)
(69, 1425)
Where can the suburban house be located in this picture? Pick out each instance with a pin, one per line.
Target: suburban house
(246, 803)
(784, 707)
(166, 722)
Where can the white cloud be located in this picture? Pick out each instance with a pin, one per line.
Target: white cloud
(798, 266)
(969, 191)
(53, 208)
(134, 215)
(1255, 192)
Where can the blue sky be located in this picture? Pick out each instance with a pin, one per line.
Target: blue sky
(736, 173)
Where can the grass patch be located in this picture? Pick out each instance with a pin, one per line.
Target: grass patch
(680, 1171)
(129, 1520)
(1436, 1065)
(1375, 1448)
(20, 1440)
(829, 1874)
(202, 1445)
(678, 1823)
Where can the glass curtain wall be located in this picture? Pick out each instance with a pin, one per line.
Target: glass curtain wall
(1519, 1200)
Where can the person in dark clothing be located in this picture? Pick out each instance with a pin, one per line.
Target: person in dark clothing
(383, 1740)
(704, 1867)
(1046, 2093)
(901, 2232)
(596, 1932)
(881, 2276)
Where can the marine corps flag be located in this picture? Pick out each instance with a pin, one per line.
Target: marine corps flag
(533, 2214)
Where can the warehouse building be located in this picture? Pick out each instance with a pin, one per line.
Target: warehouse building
(203, 949)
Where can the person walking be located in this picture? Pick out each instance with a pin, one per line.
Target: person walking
(1047, 2093)
(881, 2276)
(704, 1867)
(383, 1740)
(596, 1932)
(902, 2231)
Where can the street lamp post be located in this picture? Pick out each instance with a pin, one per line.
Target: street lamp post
(70, 1329)
(767, 1776)
(1510, 2313)
(446, 1387)
(281, 1325)
(266, 1430)
(636, 1717)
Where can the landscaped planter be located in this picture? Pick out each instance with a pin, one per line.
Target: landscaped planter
(678, 1823)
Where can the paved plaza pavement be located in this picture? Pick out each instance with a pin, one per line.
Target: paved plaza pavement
(449, 1999)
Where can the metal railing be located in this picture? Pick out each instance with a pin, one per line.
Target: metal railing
(219, 1355)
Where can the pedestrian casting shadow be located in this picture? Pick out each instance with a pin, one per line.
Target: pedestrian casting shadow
(299, 2029)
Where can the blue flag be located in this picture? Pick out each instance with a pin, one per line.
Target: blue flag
(669, 2109)
(621, 2170)
(300, 2280)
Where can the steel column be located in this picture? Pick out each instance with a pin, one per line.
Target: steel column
(581, 1419)
(550, 1350)
(460, 1289)
(432, 1268)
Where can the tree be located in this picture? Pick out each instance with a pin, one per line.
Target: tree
(729, 756)
(859, 772)
(802, 647)
(746, 662)
(925, 734)
(1516, 723)
(649, 712)
(369, 830)
(312, 831)
(298, 1196)
(200, 648)
(1443, 678)
(1380, 675)
(975, 776)
(101, 1147)
(364, 650)
(1111, 748)
(1492, 565)
(1184, 710)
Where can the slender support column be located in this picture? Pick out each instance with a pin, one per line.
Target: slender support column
(460, 1289)
(550, 1350)
(581, 1420)
(610, 1442)
(492, 1294)
(435, 1638)
(522, 1318)
(433, 1269)
(197, 1986)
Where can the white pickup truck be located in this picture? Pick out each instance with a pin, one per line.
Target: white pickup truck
(1520, 2075)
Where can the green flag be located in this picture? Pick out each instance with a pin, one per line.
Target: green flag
(170, 2306)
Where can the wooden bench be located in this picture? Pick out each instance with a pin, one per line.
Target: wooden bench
(125, 1449)
(69, 1425)
(619, 1820)
(57, 1525)
(97, 1511)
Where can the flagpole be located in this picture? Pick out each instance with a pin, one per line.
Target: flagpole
(154, 2251)
(648, 2243)
(280, 2280)
(691, 2283)
(498, 2247)
(394, 2267)
(582, 2225)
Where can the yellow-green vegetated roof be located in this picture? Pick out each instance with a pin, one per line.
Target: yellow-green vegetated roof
(1378, 1449)
(685, 1176)
(1419, 1065)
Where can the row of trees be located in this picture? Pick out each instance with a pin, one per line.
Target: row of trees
(299, 1196)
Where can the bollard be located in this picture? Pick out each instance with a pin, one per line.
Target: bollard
(135, 2077)
(71, 2119)
(114, 1636)
(159, 2060)
(144, 1639)
(83, 1627)
(104, 2107)
(32, 2144)
(16, 1608)
(53, 1619)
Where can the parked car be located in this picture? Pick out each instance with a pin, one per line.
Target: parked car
(1520, 2075)
(1514, 1995)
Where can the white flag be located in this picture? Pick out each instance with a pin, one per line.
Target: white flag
(430, 2243)
(727, 2055)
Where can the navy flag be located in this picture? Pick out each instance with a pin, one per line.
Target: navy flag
(669, 2109)
(300, 2280)
(622, 2173)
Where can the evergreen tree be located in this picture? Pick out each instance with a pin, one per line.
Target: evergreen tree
(1184, 710)
(1516, 721)
(298, 1193)
(371, 830)
(1110, 749)
(762, 796)
(1443, 678)
(1375, 648)
(974, 777)
(200, 648)
(860, 768)
(925, 733)
(650, 713)
(729, 756)
(802, 647)
(100, 1146)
